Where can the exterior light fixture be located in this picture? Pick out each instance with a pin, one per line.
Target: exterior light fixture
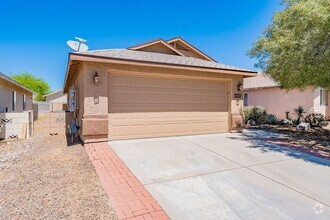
(96, 78)
(240, 86)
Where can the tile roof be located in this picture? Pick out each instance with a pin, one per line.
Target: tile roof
(12, 81)
(127, 54)
(260, 81)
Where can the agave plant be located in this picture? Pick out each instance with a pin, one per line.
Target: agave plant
(299, 112)
(271, 119)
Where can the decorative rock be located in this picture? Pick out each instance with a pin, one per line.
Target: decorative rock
(287, 122)
(304, 126)
(251, 123)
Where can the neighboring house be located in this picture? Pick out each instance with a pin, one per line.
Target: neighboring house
(264, 91)
(16, 115)
(54, 95)
(159, 88)
(57, 101)
(13, 96)
(59, 104)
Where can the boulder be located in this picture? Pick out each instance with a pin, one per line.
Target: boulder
(251, 123)
(304, 126)
(287, 122)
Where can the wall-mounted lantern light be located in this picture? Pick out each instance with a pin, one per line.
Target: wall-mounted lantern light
(240, 86)
(96, 78)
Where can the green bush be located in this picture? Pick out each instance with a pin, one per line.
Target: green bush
(257, 114)
(271, 119)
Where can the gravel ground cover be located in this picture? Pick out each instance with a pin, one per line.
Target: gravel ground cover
(43, 178)
(315, 141)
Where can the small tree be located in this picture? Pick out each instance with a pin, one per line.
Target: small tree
(295, 48)
(299, 112)
(38, 85)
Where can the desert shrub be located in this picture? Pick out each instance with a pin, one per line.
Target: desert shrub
(316, 119)
(257, 114)
(299, 111)
(271, 119)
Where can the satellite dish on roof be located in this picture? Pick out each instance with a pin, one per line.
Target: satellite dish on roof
(81, 40)
(79, 45)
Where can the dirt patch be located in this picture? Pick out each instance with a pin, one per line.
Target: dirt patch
(315, 141)
(42, 178)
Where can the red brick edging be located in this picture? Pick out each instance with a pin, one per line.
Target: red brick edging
(128, 196)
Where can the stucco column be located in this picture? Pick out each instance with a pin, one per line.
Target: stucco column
(237, 118)
(95, 117)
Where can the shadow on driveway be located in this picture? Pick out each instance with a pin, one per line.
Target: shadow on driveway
(257, 139)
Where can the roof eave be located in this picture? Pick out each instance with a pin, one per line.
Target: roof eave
(14, 82)
(93, 58)
(100, 58)
(259, 88)
(67, 73)
(53, 93)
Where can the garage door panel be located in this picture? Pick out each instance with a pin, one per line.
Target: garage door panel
(153, 107)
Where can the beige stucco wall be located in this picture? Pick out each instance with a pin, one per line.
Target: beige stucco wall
(277, 101)
(92, 100)
(6, 89)
(79, 85)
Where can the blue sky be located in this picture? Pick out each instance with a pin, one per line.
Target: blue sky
(33, 33)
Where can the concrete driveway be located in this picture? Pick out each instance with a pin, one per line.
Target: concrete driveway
(229, 176)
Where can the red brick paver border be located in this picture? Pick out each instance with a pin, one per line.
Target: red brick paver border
(129, 197)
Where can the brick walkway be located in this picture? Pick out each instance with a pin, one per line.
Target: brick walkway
(128, 196)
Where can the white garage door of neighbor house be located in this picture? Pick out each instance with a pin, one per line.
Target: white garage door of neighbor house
(141, 106)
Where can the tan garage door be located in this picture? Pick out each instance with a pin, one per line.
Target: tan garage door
(142, 106)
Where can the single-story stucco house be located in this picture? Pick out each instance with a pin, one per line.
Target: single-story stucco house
(57, 101)
(54, 95)
(14, 97)
(264, 91)
(16, 115)
(154, 89)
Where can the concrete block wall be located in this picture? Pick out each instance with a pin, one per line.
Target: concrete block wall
(54, 123)
(35, 111)
(12, 124)
(42, 108)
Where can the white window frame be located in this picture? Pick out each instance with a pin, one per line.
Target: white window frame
(324, 97)
(13, 100)
(245, 99)
(24, 102)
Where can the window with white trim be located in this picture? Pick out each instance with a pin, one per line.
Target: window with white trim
(24, 102)
(245, 99)
(13, 100)
(324, 97)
